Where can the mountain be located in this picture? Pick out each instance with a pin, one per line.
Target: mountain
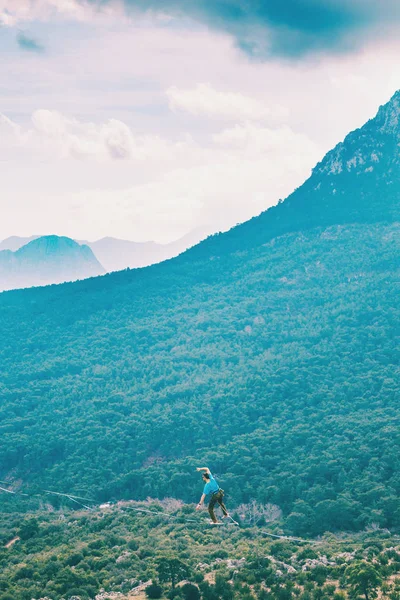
(116, 255)
(357, 182)
(15, 242)
(47, 260)
(269, 353)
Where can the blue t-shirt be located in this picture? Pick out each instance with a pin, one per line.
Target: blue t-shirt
(211, 486)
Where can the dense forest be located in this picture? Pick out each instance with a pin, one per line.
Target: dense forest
(277, 367)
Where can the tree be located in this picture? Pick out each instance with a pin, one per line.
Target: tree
(190, 592)
(363, 578)
(223, 588)
(154, 590)
(29, 528)
(171, 570)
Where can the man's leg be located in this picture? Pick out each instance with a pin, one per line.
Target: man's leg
(220, 496)
(211, 508)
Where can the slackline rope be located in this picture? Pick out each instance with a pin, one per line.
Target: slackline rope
(8, 491)
(76, 499)
(291, 539)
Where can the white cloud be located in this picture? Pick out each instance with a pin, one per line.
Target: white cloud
(6, 19)
(72, 138)
(8, 127)
(54, 134)
(251, 141)
(13, 12)
(227, 178)
(246, 170)
(204, 100)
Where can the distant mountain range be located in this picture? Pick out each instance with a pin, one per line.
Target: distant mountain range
(116, 255)
(15, 242)
(49, 261)
(46, 260)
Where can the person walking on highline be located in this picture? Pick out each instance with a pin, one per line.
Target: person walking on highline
(211, 488)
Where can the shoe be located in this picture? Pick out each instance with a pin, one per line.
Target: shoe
(214, 523)
(227, 517)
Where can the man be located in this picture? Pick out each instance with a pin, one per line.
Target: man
(212, 488)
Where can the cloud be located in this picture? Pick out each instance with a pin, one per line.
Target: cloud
(13, 12)
(151, 187)
(27, 43)
(289, 28)
(72, 138)
(8, 127)
(251, 141)
(6, 19)
(237, 181)
(246, 169)
(207, 101)
(260, 28)
(56, 135)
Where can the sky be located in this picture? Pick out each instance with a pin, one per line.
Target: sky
(144, 120)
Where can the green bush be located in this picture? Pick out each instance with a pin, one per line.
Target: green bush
(154, 590)
(28, 529)
(190, 592)
(74, 559)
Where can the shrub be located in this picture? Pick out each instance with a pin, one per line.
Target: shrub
(154, 590)
(190, 592)
(74, 559)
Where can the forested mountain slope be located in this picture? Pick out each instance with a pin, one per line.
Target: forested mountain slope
(273, 358)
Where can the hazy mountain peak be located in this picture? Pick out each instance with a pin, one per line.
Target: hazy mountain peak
(46, 260)
(49, 244)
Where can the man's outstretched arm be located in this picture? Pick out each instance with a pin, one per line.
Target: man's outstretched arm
(206, 469)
